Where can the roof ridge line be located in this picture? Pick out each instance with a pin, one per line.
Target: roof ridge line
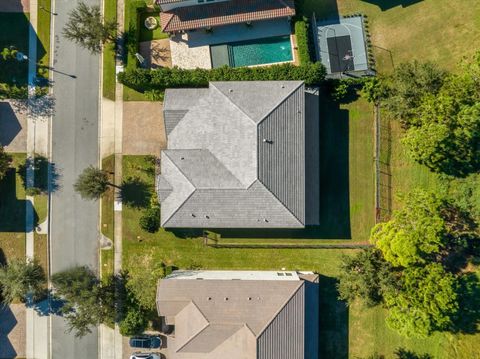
(278, 200)
(301, 283)
(230, 100)
(183, 174)
(302, 83)
(198, 333)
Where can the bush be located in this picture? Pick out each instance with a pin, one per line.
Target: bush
(33, 191)
(301, 32)
(8, 91)
(134, 322)
(150, 221)
(159, 79)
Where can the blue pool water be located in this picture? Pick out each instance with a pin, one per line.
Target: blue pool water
(252, 52)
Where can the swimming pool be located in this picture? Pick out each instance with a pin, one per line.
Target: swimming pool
(252, 52)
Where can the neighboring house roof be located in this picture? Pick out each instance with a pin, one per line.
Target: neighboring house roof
(223, 13)
(233, 317)
(236, 156)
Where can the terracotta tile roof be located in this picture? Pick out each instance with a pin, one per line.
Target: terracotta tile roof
(223, 13)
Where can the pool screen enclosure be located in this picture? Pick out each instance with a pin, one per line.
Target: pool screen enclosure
(340, 54)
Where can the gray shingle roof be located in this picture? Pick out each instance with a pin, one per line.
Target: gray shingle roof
(218, 318)
(243, 150)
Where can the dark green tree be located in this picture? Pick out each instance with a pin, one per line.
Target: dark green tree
(150, 220)
(86, 27)
(134, 322)
(19, 279)
(5, 160)
(91, 183)
(448, 139)
(87, 302)
(427, 228)
(407, 86)
(426, 303)
(367, 276)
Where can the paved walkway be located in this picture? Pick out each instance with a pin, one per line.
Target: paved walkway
(111, 341)
(36, 332)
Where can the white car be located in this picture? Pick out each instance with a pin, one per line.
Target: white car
(145, 356)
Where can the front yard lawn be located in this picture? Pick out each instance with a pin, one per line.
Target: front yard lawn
(149, 35)
(43, 33)
(109, 80)
(12, 212)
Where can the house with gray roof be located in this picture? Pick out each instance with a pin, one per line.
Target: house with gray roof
(240, 314)
(237, 157)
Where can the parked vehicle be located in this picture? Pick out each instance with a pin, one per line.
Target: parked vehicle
(146, 342)
(145, 356)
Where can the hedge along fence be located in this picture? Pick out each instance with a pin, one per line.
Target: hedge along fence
(303, 43)
(157, 80)
(133, 31)
(8, 91)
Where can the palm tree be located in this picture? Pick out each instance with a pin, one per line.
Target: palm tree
(19, 278)
(92, 183)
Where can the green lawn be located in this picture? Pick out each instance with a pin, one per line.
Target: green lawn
(106, 262)
(43, 33)
(109, 81)
(149, 35)
(12, 212)
(108, 165)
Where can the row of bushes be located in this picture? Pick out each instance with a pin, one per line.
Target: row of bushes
(144, 80)
(8, 91)
(133, 31)
(303, 43)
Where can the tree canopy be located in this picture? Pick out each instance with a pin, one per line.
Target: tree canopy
(86, 27)
(365, 275)
(87, 303)
(5, 160)
(427, 228)
(426, 303)
(91, 183)
(20, 278)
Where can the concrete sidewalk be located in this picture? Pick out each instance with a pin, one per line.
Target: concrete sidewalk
(37, 327)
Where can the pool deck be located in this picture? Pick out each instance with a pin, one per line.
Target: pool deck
(192, 49)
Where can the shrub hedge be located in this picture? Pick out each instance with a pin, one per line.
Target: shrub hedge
(301, 33)
(8, 91)
(146, 80)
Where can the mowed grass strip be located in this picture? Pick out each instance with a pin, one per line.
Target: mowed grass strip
(109, 77)
(43, 34)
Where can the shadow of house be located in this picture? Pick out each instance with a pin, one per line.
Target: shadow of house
(7, 323)
(12, 209)
(388, 4)
(10, 125)
(333, 332)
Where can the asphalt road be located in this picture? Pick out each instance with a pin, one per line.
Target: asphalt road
(73, 221)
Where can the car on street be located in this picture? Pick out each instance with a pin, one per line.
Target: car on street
(145, 356)
(146, 342)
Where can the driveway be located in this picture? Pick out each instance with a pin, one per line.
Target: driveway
(13, 127)
(12, 331)
(143, 128)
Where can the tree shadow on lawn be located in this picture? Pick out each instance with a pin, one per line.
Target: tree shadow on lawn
(388, 4)
(468, 317)
(333, 321)
(135, 193)
(41, 168)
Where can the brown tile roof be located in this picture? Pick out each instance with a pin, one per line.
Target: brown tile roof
(223, 13)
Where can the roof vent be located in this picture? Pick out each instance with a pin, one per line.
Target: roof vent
(249, 298)
(207, 217)
(283, 86)
(209, 298)
(225, 299)
(193, 215)
(265, 220)
(267, 141)
(230, 90)
(182, 158)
